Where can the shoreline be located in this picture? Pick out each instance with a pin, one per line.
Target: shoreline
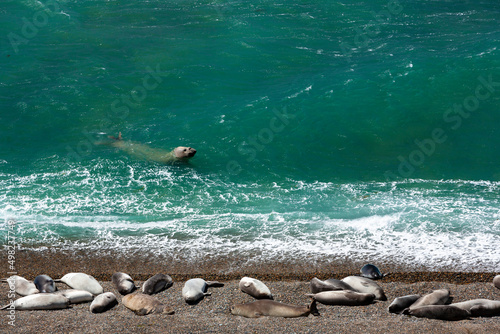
(212, 314)
(56, 263)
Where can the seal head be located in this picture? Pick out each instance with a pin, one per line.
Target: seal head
(183, 152)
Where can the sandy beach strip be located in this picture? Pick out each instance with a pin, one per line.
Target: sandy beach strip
(289, 283)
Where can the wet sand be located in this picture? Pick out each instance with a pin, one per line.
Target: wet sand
(289, 283)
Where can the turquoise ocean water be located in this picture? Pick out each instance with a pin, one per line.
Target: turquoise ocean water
(325, 129)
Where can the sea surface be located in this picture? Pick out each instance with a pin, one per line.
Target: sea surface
(329, 130)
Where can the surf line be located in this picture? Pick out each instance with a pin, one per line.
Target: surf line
(453, 116)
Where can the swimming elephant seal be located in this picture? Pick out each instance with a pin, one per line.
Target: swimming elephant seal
(271, 308)
(365, 285)
(144, 152)
(196, 288)
(142, 304)
(480, 307)
(76, 296)
(44, 284)
(21, 285)
(441, 312)
(255, 288)
(330, 284)
(399, 304)
(103, 302)
(437, 297)
(496, 281)
(123, 283)
(343, 297)
(157, 283)
(39, 301)
(82, 281)
(371, 271)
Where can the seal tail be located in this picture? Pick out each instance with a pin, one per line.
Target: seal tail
(116, 138)
(313, 309)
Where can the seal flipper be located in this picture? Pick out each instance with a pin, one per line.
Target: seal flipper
(116, 138)
(313, 309)
(142, 311)
(214, 284)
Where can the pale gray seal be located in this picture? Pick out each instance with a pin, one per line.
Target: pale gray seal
(44, 284)
(196, 288)
(371, 271)
(76, 296)
(144, 152)
(21, 285)
(39, 301)
(437, 297)
(123, 283)
(255, 288)
(330, 284)
(271, 308)
(82, 281)
(157, 283)
(496, 281)
(401, 303)
(142, 304)
(343, 297)
(480, 307)
(365, 285)
(103, 302)
(441, 312)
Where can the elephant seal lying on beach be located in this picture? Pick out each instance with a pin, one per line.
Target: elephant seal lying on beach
(103, 302)
(157, 283)
(21, 285)
(496, 281)
(196, 288)
(44, 284)
(480, 307)
(144, 152)
(82, 281)
(39, 301)
(271, 308)
(441, 312)
(142, 304)
(343, 297)
(255, 288)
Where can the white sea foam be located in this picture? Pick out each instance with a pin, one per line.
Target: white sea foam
(435, 224)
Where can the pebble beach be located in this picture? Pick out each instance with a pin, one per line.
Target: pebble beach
(212, 314)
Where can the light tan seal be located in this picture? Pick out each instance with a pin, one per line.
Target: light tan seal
(76, 296)
(480, 307)
(196, 288)
(496, 281)
(103, 302)
(144, 152)
(365, 285)
(142, 304)
(21, 285)
(437, 297)
(399, 304)
(271, 308)
(82, 281)
(343, 297)
(255, 288)
(39, 301)
(330, 284)
(441, 312)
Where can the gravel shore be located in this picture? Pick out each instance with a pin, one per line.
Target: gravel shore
(212, 314)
